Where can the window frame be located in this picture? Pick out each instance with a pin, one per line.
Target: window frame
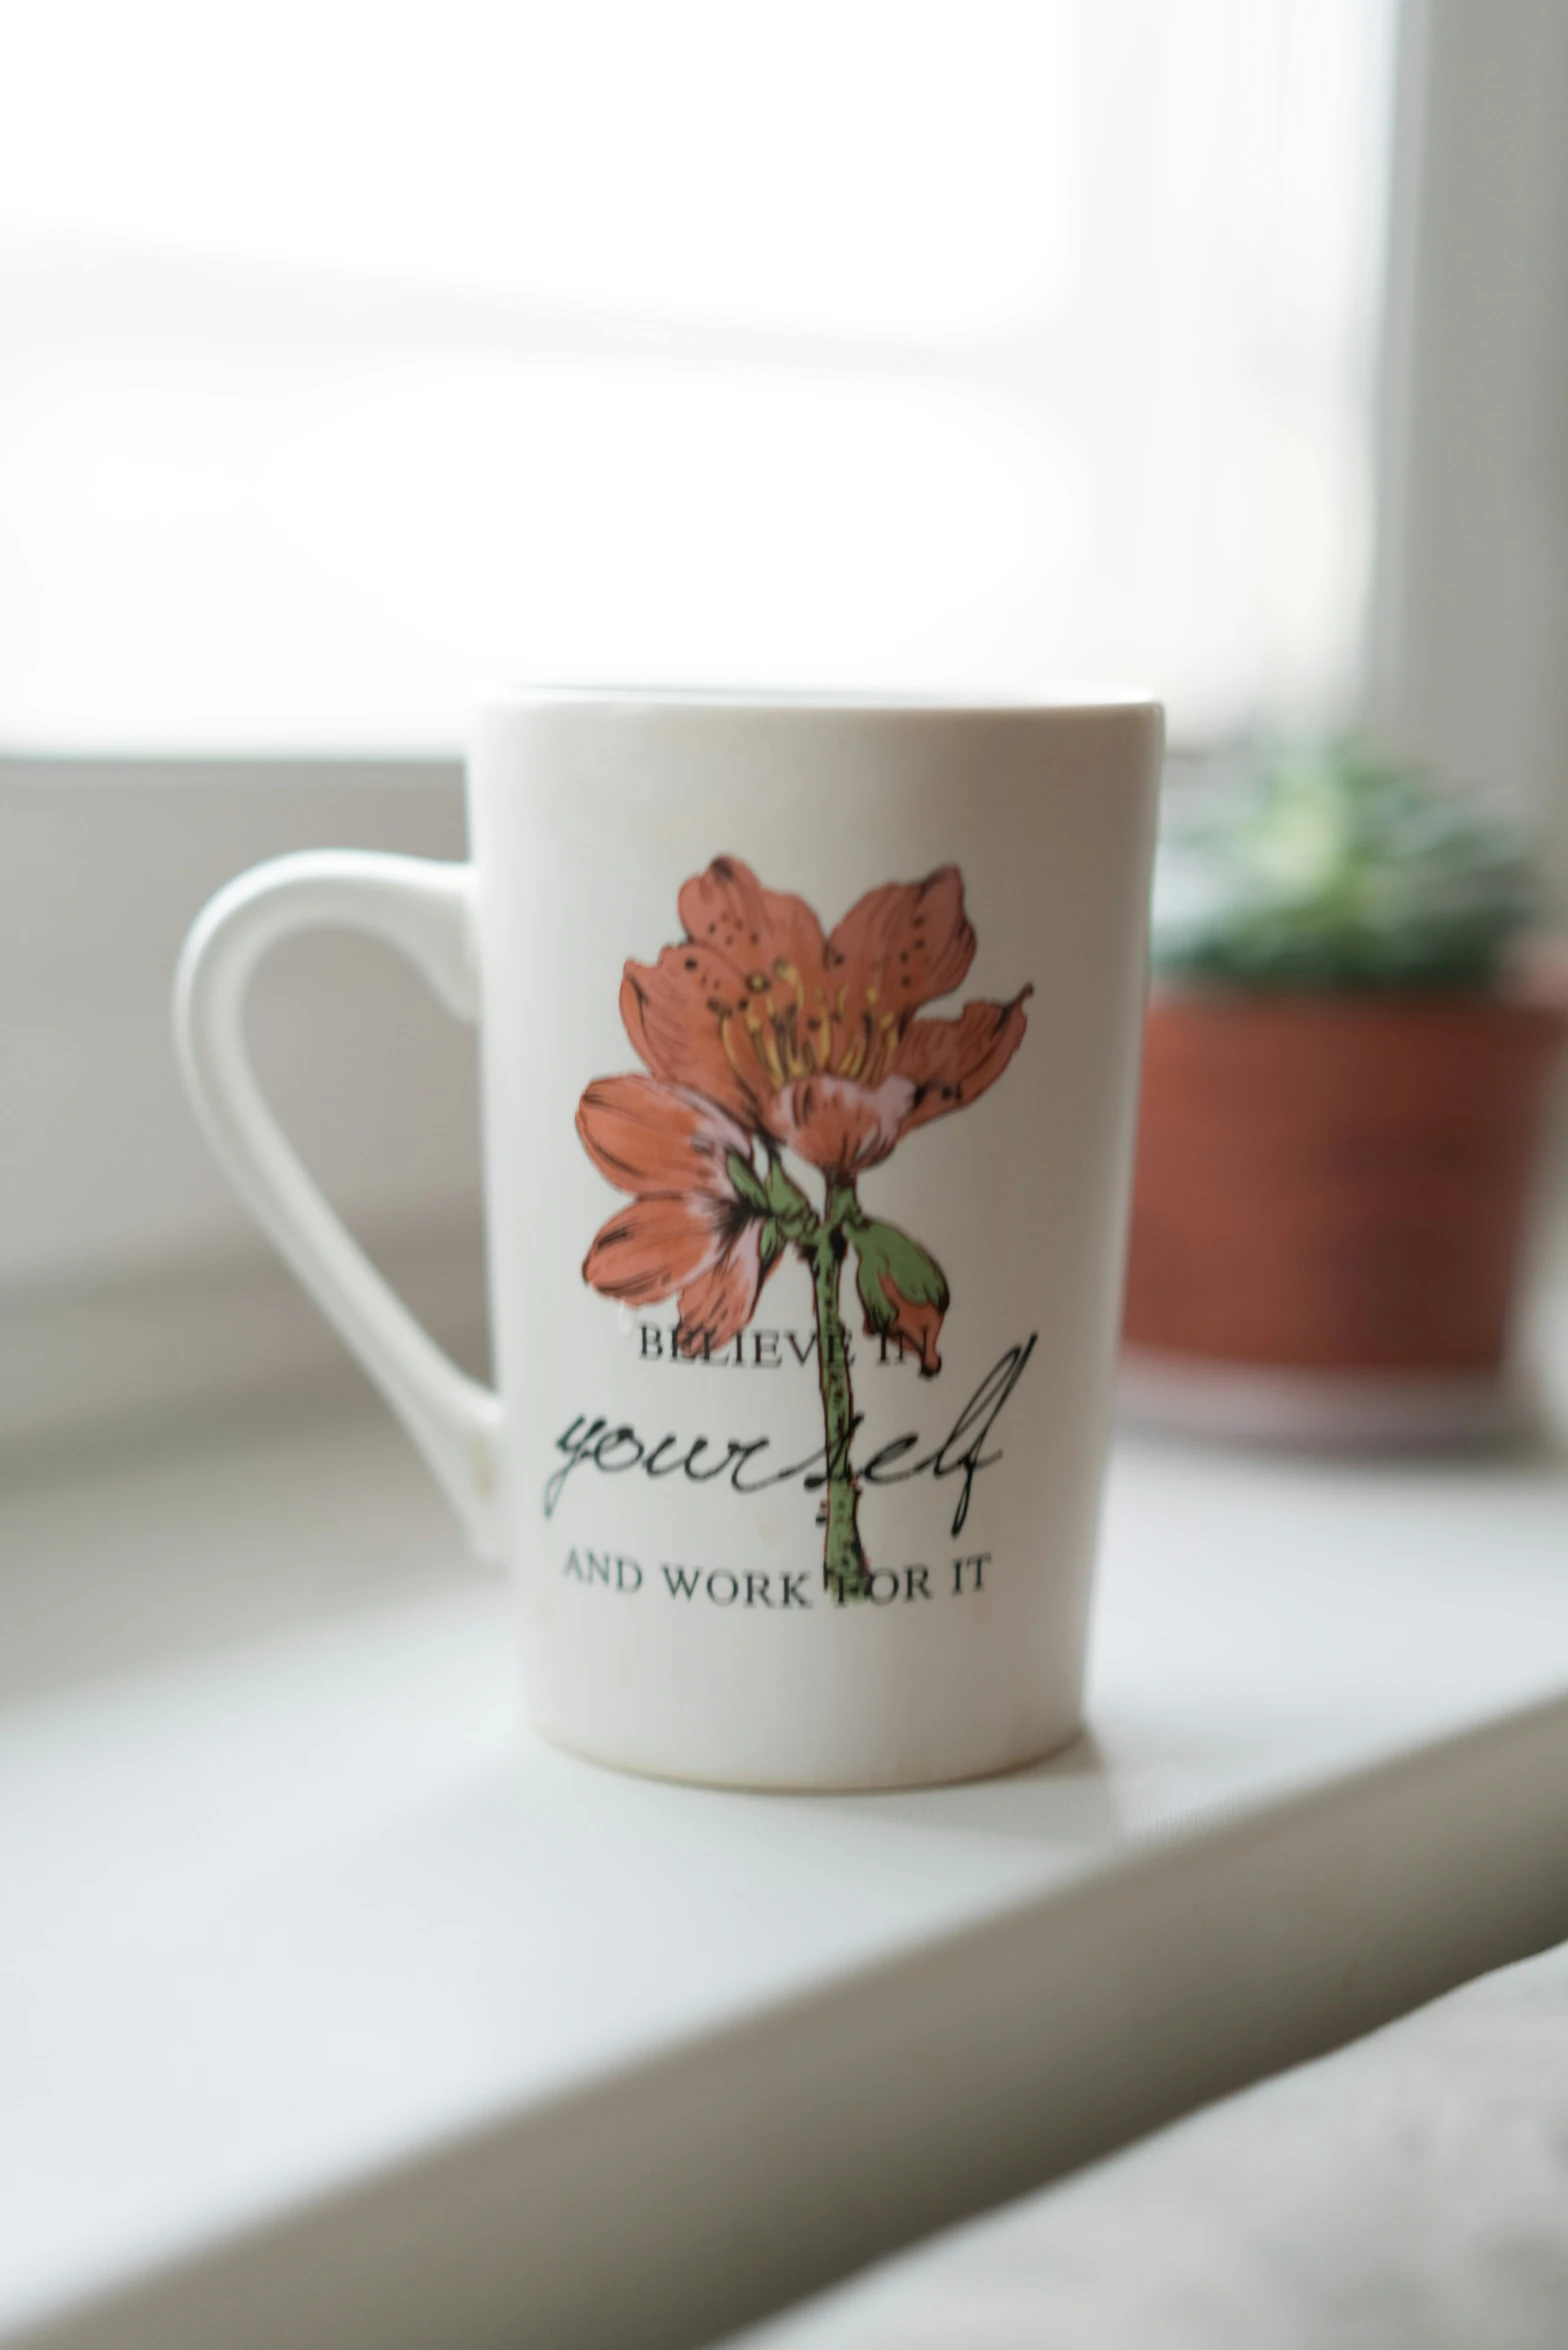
(1471, 518)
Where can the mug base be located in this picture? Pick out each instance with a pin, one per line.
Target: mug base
(875, 1780)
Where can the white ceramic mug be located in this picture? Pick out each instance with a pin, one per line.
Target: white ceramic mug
(810, 1053)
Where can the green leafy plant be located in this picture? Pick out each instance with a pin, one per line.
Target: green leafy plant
(1333, 869)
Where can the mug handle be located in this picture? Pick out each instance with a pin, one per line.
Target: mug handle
(427, 909)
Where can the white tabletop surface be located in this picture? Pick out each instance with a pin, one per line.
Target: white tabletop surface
(333, 2008)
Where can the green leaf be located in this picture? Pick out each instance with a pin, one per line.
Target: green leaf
(771, 1242)
(747, 1183)
(881, 1249)
(787, 1201)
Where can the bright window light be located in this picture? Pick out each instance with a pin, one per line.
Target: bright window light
(354, 358)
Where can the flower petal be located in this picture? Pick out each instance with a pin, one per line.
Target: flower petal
(951, 1062)
(901, 946)
(653, 1248)
(686, 1017)
(722, 1301)
(764, 933)
(645, 1137)
(839, 1125)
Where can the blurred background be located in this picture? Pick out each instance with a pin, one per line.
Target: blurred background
(354, 359)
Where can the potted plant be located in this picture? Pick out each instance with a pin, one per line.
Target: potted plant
(1346, 1067)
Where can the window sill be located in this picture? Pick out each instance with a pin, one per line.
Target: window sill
(341, 2010)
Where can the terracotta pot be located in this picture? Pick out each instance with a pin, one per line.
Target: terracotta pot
(1335, 1183)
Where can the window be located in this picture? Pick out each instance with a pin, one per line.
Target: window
(354, 357)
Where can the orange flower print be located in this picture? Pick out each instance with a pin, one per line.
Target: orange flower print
(814, 1041)
(762, 1037)
(689, 1230)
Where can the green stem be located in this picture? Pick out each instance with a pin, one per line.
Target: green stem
(844, 1561)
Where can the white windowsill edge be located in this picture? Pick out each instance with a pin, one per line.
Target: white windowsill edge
(340, 2011)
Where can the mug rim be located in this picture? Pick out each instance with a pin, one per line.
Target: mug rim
(870, 701)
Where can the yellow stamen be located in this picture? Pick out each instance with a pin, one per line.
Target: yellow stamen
(819, 1035)
(729, 1049)
(882, 1049)
(763, 1039)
